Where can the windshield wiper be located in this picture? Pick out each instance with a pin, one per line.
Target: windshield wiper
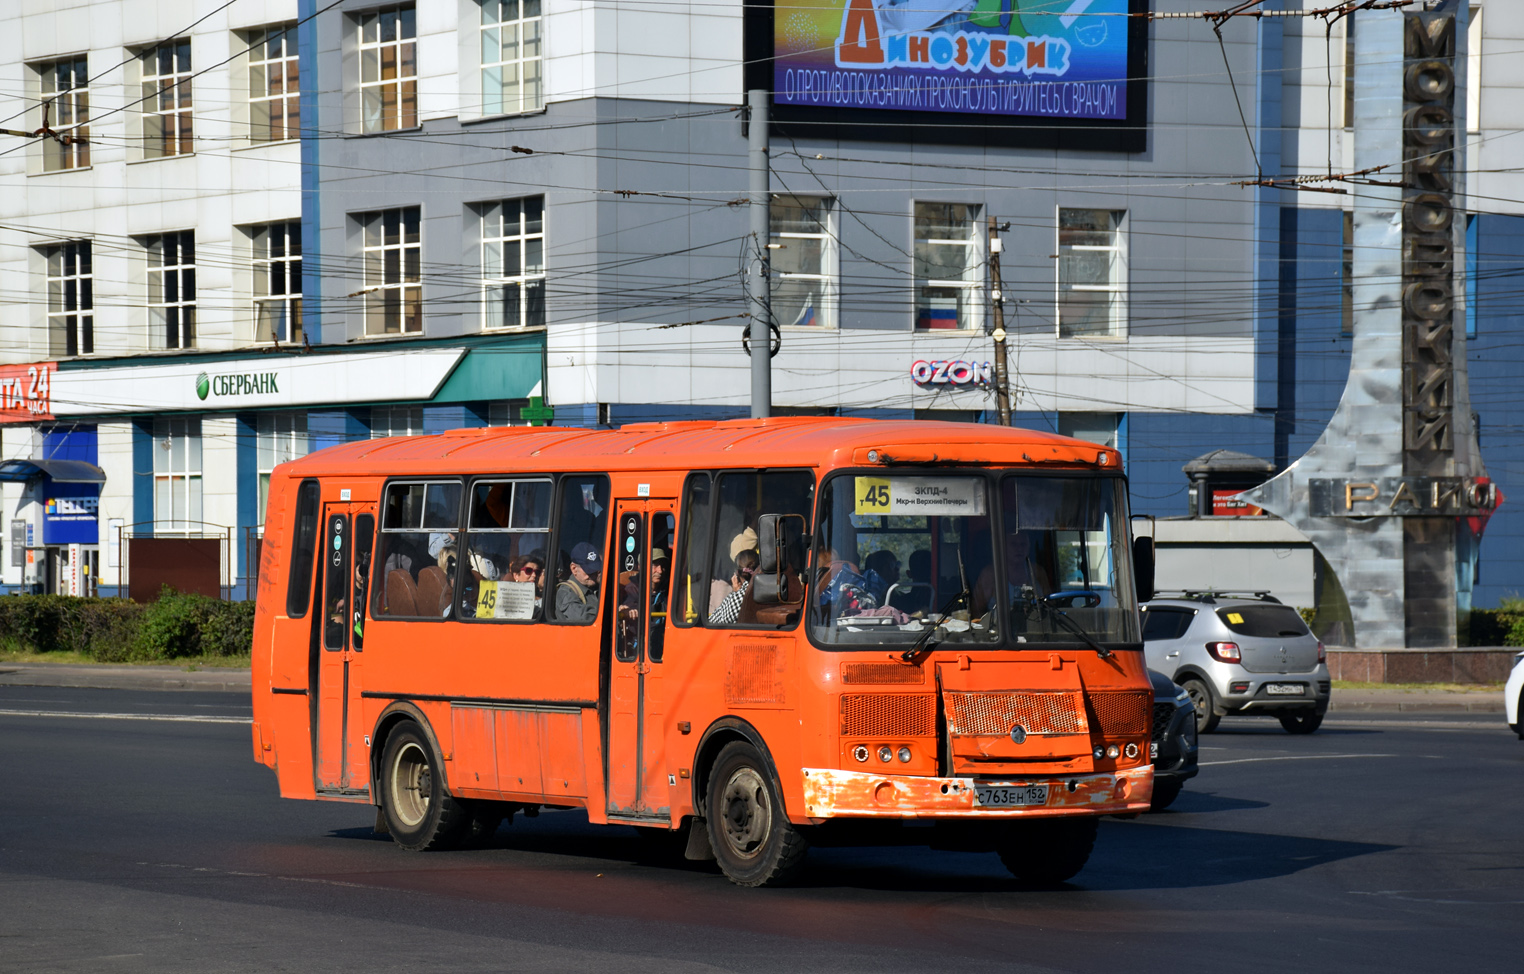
(1063, 620)
(909, 655)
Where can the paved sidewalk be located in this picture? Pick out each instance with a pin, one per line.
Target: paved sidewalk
(122, 677)
(1382, 701)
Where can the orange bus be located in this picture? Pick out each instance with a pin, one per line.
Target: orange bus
(756, 634)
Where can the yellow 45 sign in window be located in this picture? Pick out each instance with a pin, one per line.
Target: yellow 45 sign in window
(923, 496)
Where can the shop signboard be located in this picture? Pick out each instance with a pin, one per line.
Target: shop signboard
(270, 381)
(1017, 72)
(70, 517)
(26, 392)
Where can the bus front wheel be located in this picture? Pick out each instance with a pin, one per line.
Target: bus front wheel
(1048, 850)
(754, 843)
(420, 814)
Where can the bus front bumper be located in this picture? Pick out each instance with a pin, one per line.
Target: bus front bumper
(829, 793)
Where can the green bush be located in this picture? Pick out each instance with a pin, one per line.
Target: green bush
(177, 626)
(1503, 626)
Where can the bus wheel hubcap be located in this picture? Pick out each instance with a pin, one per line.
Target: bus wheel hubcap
(747, 816)
(412, 785)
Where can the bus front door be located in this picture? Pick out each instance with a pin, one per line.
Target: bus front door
(347, 539)
(637, 783)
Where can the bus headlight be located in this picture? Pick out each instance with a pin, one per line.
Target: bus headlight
(1113, 751)
(885, 754)
(860, 752)
(904, 755)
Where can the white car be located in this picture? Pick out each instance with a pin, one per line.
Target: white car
(1513, 696)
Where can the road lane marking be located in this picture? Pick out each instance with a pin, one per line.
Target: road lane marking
(173, 718)
(1298, 757)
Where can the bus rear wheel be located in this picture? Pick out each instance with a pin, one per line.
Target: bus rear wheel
(753, 840)
(1048, 850)
(420, 814)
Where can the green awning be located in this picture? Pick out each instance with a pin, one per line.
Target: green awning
(495, 373)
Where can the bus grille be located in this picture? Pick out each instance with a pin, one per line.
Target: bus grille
(888, 715)
(1051, 714)
(881, 673)
(1123, 714)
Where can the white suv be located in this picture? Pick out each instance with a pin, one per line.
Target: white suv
(1239, 655)
(1513, 696)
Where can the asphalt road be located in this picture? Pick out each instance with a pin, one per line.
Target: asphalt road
(150, 841)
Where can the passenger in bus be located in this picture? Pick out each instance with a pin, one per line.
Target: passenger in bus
(728, 612)
(577, 596)
(659, 565)
(442, 550)
(883, 570)
(844, 593)
(529, 569)
(1021, 574)
(916, 596)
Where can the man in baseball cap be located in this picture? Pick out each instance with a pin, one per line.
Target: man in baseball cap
(577, 597)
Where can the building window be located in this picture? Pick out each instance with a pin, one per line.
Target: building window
(278, 282)
(166, 103)
(1474, 69)
(506, 413)
(1092, 274)
(177, 475)
(66, 107)
(280, 437)
(172, 290)
(388, 69)
(803, 262)
(396, 421)
(512, 72)
(1096, 427)
(1349, 70)
(274, 88)
(393, 271)
(1347, 318)
(513, 263)
(948, 277)
(71, 299)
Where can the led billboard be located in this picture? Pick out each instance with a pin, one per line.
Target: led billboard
(1052, 73)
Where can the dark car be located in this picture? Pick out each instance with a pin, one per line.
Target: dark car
(1174, 745)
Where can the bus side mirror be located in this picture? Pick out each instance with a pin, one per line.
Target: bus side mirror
(1143, 567)
(779, 540)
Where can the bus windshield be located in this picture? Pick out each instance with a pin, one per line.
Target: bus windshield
(899, 555)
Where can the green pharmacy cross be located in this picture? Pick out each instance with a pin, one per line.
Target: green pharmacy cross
(537, 413)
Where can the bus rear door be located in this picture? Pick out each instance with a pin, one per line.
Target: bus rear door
(348, 535)
(637, 786)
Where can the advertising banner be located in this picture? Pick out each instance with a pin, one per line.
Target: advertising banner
(1009, 62)
(26, 392)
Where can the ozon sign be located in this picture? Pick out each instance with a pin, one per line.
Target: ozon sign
(951, 373)
(26, 392)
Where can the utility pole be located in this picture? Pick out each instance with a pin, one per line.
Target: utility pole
(997, 298)
(759, 302)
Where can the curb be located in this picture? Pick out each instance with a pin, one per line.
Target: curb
(123, 677)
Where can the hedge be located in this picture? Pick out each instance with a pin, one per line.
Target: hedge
(1503, 626)
(177, 626)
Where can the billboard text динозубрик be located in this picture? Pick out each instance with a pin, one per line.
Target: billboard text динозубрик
(1019, 58)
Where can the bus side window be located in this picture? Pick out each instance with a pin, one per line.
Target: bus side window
(581, 547)
(507, 535)
(743, 496)
(690, 593)
(663, 527)
(303, 550)
(419, 553)
(364, 541)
